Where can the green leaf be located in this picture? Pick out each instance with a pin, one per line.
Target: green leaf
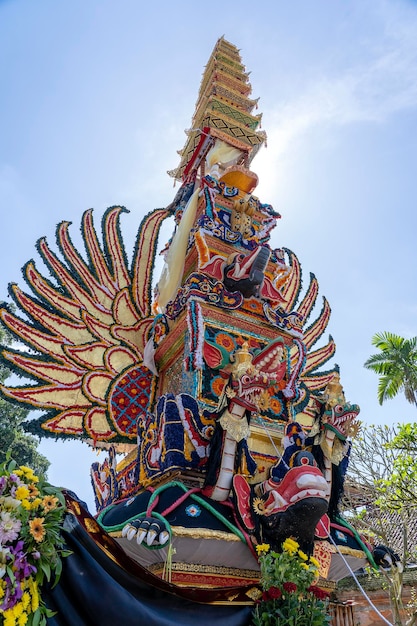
(58, 571)
(46, 568)
(36, 618)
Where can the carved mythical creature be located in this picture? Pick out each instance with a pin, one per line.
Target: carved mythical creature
(330, 439)
(251, 376)
(198, 380)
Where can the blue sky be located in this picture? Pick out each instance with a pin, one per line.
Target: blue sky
(95, 97)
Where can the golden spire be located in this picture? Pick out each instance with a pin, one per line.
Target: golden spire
(223, 111)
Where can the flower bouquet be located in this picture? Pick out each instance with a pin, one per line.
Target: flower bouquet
(31, 545)
(290, 596)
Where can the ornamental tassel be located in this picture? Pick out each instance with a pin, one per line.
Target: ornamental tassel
(167, 571)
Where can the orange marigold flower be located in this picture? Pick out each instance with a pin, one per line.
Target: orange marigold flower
(275, 405)
(222, 339)
(33, 491)
(217, 385)
(37, 529)
(49, 503)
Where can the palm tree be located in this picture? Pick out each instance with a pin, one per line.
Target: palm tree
(396, 365)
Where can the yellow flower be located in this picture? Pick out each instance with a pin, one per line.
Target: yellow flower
(290, 546)
(26, 505)
(23, 618)
(25, 600)
(22, 492)
(35, 503)
(49, 503)
(302, 555)
(28, 473)
(314, 561)
(262, 548)
(9, 619)
(33, 588)
(17, 610)
(37, 529)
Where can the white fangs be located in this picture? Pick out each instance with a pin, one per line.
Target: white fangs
(308, 493)
(314, 481)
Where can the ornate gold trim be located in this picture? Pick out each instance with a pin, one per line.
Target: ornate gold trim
(359, 554)
(193, 533)
(204, 533)
(254, 593)
(235, 426)
(219, 570)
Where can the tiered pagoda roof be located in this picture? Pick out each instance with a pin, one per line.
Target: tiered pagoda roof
(223, 111)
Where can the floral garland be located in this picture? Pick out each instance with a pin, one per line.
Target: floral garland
(290, 596)
(31, 545)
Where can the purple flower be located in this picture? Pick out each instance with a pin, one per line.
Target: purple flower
(12, 595)
(18, 547)
(9, 527)
(3, 483)
(23, 569)
(4, 557)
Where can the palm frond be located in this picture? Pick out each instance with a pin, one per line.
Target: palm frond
(396, 364)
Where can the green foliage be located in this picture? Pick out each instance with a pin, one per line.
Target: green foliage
(382, 470)
(31, 543)
(21, 446)
(290, 596)
(396, 366)
(380, 495)
(399, 490)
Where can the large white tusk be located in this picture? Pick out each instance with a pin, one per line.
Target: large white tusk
(163, 537)
(141, 535)
(131, 533)
(150, 537)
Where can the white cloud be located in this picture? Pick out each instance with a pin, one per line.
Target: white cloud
(383, 84)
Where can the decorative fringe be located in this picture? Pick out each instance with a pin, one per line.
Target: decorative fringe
(167, 571)
(196, 336)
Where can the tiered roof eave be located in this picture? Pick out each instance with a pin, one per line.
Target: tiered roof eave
(223, 109)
